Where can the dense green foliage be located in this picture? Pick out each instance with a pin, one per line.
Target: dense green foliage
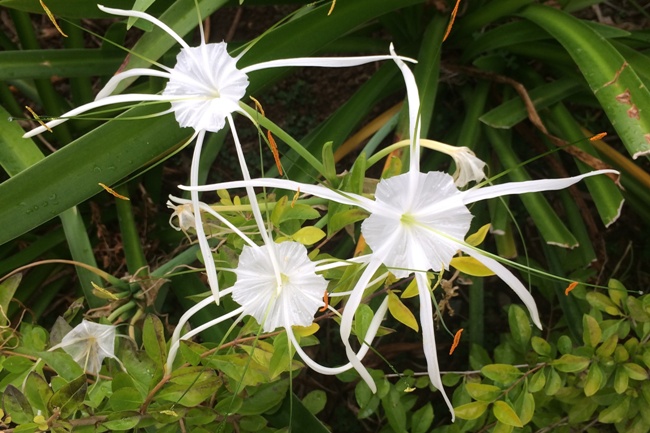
(521, 83)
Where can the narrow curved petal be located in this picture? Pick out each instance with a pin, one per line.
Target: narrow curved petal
(342, 197)
(413, 97)
(351, 307)
(370, 335)
(508, 278)
(146, 17)
(477, 194)
(115, 99)
(136, 72)
(206, 251)
(429, 338)
(173, 349)
(323, 62)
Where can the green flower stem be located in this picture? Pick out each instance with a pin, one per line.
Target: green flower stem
(120, 310)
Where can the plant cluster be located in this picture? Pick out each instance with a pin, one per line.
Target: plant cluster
(304, 269)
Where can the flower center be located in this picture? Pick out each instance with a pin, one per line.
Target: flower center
(284, 280)
(407, 219)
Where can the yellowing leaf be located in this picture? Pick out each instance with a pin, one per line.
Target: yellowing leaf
(401, 312)
(471, 266)
(306, 331)
(308, 235)
(471, 410)
(506, 414)
(476, 239)
(411, 291)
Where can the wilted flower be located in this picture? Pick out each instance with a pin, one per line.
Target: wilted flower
(204, 89)
(89, 343)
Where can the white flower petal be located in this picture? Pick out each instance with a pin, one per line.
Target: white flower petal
(477, 194)
(510, 280)
(415, 237)
(208, 78)
(429, 338)
(342, 197)
(299, 295)
(324, 62)
(136, 72)
(146, 17)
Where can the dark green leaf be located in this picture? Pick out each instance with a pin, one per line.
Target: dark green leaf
(266, 396)
(153, 339)
(69, 397)
(394, 410)
(125, 399)
(120, 421)
(315, 401)
(16, 406)
(422, 419)
(38, 392)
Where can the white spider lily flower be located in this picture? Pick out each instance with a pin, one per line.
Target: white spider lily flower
(279, 286)
(204, 89)
(89, 343)
(417, 223)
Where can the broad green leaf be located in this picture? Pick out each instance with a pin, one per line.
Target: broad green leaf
(265, 397)
(476, 239)
(122, 421)
(394, 410)
(510, 113)
(240, 368)
(106, 155)
(315, 401)
(571, 363)
(191, 352)
(603, 303)
(190, 388)
(506, 414)
(471, 410)
(282, 357)
(125, 399)
(62, 363)
(67, 8)
(537, 381)
(308, 235)
(591, 332)
(637, 312)
(342, 219)
(501, 373)
(608, 347)
(616, 412)
(617, 292)
(16, 406)
(540, 346)
(153, 339)
(595, 380)
(7, 289)
(549, 224)
(362, 319)
(519, 326)
(70, 62)
(613, 81)
(471, 266)
(525, 405)
(140, 6)
(635, 371)
(69, 397)
(401, 312)
(621, 380)
(422, 419)
(38, 392)
(483, 392)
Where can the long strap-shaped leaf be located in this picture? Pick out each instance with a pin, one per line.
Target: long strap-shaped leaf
(614, 82)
